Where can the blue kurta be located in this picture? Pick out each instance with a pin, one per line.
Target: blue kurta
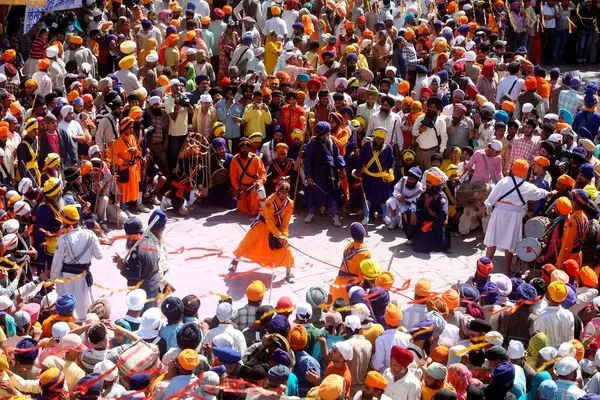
(377, 190)
(47, 220)
(432, 209)
(323, 160)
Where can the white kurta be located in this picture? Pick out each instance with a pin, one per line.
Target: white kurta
(410, 197)
(76, 247)
(505, 229)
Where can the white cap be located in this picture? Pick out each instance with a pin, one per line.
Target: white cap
(10, 194)
(96, 12)
(352, 322)
(70, 341)
(60, 330)
(496, 145)
(391, 68)
(21, 208)
(567, 132)
(467, 7)
(24, 185)
(205, 98)
(548, 353)
(154, 100)
(174, 82)
(495, 338)
(9, 242)
(490, 105)
(190, 51)
(551, 117)
(470, 55)
(5, 303)
(66, 110)
(527, 108)
(470, 44)
(49, 300)
(566, 366)
(11, 226)
(596, 304)
(3, 78)
(93, 150)
(90, 2)
(566, 349)
(555, 138)
(304, 311)
(223, 340)
(361, 311)
(345, 349)
(587, 366)
(515, 350)
(224, 312)
(152, 57)
(104, 366)
(136, 299)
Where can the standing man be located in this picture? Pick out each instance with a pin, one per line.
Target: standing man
(248, 176)
(430, 133)
(148, 261)
(73, 256)
(178, 108)
(575, 230)
(47, 223)
(376, 162)
(509, 198)
(27, 152)
(431, 233)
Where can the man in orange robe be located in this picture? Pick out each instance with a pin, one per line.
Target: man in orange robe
(290, 116)
(340, 134)
(354, 253)
(266, 243)
(125, 153)
(576, 226)
(248, 176)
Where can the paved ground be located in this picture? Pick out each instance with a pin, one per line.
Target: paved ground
(213, 228)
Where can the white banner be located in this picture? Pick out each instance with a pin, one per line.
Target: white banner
(33, 14)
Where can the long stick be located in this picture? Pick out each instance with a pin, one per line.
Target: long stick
(271, 286)
(150, 225)
(297, 180)
(392, 258)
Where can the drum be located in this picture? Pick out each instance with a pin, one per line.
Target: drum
(529, 249)
(472, 194)
(536, 227)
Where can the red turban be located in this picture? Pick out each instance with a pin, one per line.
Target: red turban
(426, 90)
(471, 91)
(402, 356)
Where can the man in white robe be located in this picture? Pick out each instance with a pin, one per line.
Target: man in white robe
(509, 200)
(405, 196)
(73, 256)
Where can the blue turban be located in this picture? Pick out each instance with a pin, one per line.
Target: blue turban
(302, 78)
(589, 100)
(227, 355)
(477, 40)
(571, 299)
(108, 39)
(547, 390)
(516, 282)
(278, 374)
(66, 304)
(78, 101)
(415, 173)
(327, 54)
(162, 219)
(526, 292)
(587, 170)
(89, 391)
(490, 293)
(379, 25)
(133, 226)
(580, 197)
(347, 110)
(501, 116)
(468, 292)
(584, 133)
(421, 69)
(171, 29)
(219, 142)
(298, 25)
(279, 324)
(281, 357)
(554, 73)
(566, 115)
(522, 49)
(279, 128)
(357, 231)
(443, 74)
(189, 11)
(590, 87)
(26, 351)
(463, 29)
(409, 17)
(575, 82)
(247, 38)
(379, 300)
(322, 128)
(358, 296)
(437, 25)
(503, 373)
(139, 381)
(353, 57)
(439, 323)
(146, 23)
(422, 330)
(219, 370)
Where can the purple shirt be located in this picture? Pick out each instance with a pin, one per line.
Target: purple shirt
(485, 169)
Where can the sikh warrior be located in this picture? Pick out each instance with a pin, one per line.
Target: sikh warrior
(248, 175)
(266, 243)
(354, 253)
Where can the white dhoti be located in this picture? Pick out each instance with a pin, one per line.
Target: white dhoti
(82, 292)
(400, 207)
(505, 229)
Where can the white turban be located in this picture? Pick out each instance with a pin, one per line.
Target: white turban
(104, 366)
(345, 349)
(11, 226)
(24, 185)
(341, 81)
(154, 100)
(136, 299)
(66, 110)
(223, 340)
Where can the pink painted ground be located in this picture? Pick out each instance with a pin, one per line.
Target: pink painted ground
(218, 229)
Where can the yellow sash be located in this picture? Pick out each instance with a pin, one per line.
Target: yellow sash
(31, 164)
(387, 176)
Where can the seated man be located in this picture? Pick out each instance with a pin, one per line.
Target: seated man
(403, 201)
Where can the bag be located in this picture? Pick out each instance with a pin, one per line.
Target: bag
(139, 357)
(123, 176)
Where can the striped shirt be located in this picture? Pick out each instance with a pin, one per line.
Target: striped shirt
(90, 357)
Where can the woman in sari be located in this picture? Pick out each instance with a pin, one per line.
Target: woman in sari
(460, 378)
(227, 44)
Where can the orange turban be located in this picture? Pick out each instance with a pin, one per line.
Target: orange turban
(385, 280)
(301, 94)
(422, 287)
(85, 167)
(541, 161)
(15, 108)
(452, 298)
(588, 277)
(73, 94)
(175, 23)
(76, 39)
(375, 380)
(135, 112)
(297, 338)
(579, 349)
(9, 55)
(403, 87)
(88, 98)
(520, 168)
(440, 354)
(433, 178)
(31, 84)
(410, 34)
(172, 39)
(44, 63)
(189, 35)
(564, 206)
(227, 10)
(508, 106)
(566, 180)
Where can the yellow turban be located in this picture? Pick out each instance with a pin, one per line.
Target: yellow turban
(127, 62)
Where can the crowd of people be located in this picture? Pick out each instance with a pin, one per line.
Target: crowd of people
(435, 117)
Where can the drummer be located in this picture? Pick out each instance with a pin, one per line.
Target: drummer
(575, 230)
(563, 208)
(564, 185)
(542, 179)
(486, 166)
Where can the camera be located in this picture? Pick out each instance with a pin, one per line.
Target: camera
(183, 101)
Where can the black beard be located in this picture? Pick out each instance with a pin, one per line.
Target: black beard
(456, 121)
(377, 146)
(116, 114)
(155, 111)
(431, 114)
(328, 63)
(244, 153)
(384, 112)
(411, 185)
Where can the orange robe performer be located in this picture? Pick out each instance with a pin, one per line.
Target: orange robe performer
(576, 226)
(266, 243)
(354, 253)
(248, 176)
(340, 136)
(125, 152)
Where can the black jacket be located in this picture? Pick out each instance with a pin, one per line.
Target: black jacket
(68, 150)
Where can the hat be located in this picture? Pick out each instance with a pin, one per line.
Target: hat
(437, 371)
(357, 231)
(393, 315)
(566, 366)
(369, 269)
(224, 312)
(136, 299)
(304, 312)
(503, 373)
(255, 291)
(188, 359)
(516, 350)
(65, 305)
(345, 349)
(227, 355)
(588, 277)
(402, 355)
(557, 291)
(423, 287)
(332, 387)
(297, 338)
(375, 380)
(103, 368)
